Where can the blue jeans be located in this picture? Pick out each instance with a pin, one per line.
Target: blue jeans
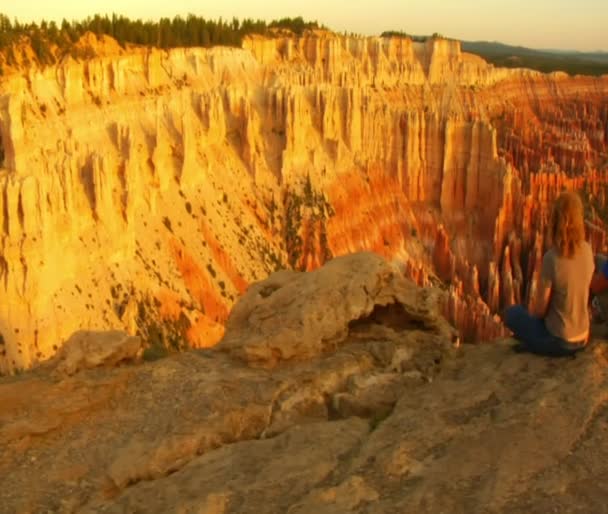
(535, 337)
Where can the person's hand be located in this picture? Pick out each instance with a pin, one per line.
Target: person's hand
(595, 311)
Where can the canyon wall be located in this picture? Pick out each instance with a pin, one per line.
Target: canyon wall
(146, 191)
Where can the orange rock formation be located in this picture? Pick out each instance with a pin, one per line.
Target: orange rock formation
(188, 174)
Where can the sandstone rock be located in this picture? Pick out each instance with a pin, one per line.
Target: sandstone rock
(349, 496)
(87, 349)
(295, 461)
(177, 409)
(475, 428)
(296, 316)
(369, 395)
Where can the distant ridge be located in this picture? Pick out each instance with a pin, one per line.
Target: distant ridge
(573, 62)
(570, 61)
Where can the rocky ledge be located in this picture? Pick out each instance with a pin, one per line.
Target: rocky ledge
(339, 390)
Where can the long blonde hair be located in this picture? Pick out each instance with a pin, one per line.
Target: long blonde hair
(567, 227)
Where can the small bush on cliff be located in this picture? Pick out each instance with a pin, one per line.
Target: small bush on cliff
(296, 25)
(394, 33)
(403, 34)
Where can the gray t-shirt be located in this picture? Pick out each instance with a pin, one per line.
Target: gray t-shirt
(567, 316)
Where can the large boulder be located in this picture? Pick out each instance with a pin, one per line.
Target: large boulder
(297, 315)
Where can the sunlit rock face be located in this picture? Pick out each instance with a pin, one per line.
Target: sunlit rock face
(146, 191)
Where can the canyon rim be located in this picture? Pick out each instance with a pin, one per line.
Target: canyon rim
(145, 189)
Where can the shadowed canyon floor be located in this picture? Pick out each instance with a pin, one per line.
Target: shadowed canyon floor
(350, 397)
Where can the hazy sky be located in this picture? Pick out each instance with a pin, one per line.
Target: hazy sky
(568, 24)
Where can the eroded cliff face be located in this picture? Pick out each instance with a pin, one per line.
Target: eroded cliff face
(146, 191)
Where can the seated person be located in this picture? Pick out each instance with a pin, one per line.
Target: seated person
(558, 324)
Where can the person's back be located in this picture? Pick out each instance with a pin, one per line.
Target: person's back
(567, 315)
(558, 322)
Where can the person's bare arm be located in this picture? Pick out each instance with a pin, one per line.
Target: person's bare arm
(539, 309)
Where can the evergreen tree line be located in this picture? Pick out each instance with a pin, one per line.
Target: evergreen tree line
(402, 34)
(164, 33)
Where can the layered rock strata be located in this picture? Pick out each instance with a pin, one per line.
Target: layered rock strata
(145, 191)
